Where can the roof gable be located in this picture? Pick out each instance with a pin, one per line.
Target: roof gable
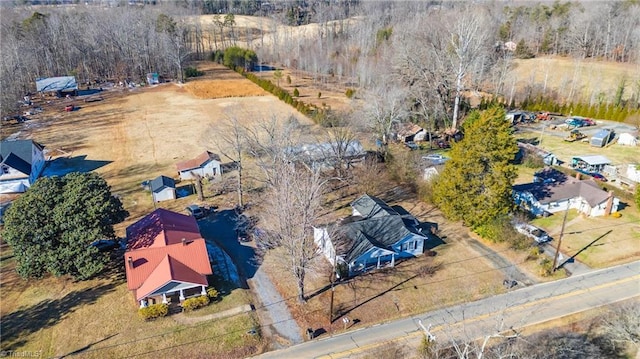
(358, 236)
(169, 269)
(198, 162)
(369, 206)
(161, 182)
(23, 149)
(17, 163)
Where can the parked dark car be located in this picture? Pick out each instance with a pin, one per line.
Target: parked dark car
(196, 211)
(411, 145)
(105, 245)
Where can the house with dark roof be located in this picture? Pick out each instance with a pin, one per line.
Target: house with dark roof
(163, 188)
(166, 257)
(206, 165)
(21, 163)
(374, 235)
(553, 191)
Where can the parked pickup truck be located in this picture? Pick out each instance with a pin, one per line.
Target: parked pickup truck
(533, 232)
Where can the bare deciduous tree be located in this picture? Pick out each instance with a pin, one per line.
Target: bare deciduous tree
(230, 139)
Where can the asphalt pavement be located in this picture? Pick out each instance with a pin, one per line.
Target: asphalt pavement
(509, 312)
(276, 321)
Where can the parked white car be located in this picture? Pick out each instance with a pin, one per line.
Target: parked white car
(436, 159)
(533, 232)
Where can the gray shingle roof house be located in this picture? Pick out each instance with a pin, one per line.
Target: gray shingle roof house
(21, 163)
(553, 191)
(163, 188)
(374, 235)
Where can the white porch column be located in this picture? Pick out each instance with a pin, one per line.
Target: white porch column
(204, 291)
(143, 303)
(164, 298)
(393, 259)
(181, 294)
(378, 266)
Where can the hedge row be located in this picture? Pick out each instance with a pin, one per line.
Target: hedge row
(320, 116)
(154, 311)
(195, 303)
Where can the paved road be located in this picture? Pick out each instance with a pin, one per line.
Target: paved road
(516, 309)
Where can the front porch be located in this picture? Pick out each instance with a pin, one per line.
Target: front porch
(174, 298)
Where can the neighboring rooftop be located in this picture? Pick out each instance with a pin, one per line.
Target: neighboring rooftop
(199, 161)
(370, 207)
(593, 160)
(554, 186)
(161, 182)
(61, 83)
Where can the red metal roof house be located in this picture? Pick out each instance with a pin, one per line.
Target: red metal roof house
(165, 255)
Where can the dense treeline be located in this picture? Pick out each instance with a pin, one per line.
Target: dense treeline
(425, 52)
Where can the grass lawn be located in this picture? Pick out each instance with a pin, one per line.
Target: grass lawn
(456, 274)
(98, 318)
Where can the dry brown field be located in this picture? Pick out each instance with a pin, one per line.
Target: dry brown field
(138, 134)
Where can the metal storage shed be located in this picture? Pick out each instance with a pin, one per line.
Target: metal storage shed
(53, 84)
(602, 137)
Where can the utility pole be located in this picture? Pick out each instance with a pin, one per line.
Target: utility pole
(564, 221)
(331, 279)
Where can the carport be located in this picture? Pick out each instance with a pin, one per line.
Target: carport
(594, 163)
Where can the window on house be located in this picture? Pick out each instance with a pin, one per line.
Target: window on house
(214, 171)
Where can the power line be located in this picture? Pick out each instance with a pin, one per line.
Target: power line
(293, 297)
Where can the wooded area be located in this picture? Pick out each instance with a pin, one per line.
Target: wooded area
(424, 51)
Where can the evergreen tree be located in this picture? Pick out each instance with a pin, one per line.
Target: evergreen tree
(51, 226)
(475, 186)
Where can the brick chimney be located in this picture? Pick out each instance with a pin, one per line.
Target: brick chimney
(578, 175)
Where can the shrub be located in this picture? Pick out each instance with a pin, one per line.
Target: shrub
(534, 253)
(192, 72)
(195, 303)
(296, 93)
(350, 93)
(616, 214)
(546, 267)
(289, 79)
(319, 94)
(212, 293)
(154, 311)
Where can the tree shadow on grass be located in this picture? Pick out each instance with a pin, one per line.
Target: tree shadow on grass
(17, 325)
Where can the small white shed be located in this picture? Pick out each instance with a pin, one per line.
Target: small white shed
(163, 188)
(627, 139)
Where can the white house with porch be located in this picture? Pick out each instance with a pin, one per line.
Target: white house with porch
(166, 256)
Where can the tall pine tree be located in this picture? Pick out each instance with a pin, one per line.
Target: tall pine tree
(475, 186)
